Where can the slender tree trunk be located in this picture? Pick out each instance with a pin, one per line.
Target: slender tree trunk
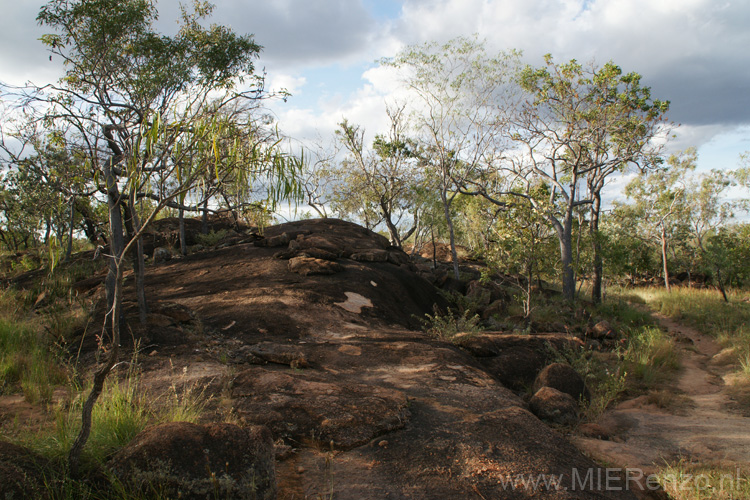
(136, 252)
(74, 456)
(392, 229)
(529, 279)
(596, 288)
(664, 257)
(564, 232)
(69, 249)
(183, 239)
(451, 233)
(720, 282)
(47, 231)
(434, 248)
(113, 289)
(140, 271)
(233, 212)
(204, 217)
(116, 239)
(568, 276)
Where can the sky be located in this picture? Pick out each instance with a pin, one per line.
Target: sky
(694, 53)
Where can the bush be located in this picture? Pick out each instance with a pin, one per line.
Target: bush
(449, 326)
(213, 238)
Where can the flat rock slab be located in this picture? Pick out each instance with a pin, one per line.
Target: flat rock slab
(354, 302)
(304, 407)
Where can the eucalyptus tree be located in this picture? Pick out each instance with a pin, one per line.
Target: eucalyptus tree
(708, 208)
(661, 204)
(139, 105)
(576, 128)
(460, 97)
(383, 178)
(318, 179)
(45, 187)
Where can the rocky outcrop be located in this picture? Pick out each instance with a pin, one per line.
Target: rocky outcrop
(361, 403)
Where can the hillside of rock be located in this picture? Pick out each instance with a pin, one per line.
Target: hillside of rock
(312, 330)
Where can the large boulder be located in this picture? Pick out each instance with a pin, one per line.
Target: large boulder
(554, 406)
(199, 462)
(514, 359)
(565, 379)
(22, 472)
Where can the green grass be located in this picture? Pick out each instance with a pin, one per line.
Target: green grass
(645, 359)
(706, 311)
(620, 309)
(703, 309)
(27, 362)
(650, 356)
(686, 481)
(123, 410)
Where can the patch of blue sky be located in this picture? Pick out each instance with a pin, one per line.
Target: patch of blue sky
(383, 9)
(721, 152)
(585, 5)
(325, 82)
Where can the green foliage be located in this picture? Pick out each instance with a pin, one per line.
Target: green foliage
(213, 238)
(681, 219)
(467, 92)
(604, 377)
(379, 185)
(727, 249)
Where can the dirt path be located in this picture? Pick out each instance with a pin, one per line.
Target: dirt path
(704, 430)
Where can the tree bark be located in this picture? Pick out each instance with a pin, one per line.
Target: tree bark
(596, 287)
(204, 217)
(564, 232)
(451, 233)
(117, 242)
(74, 456)
(720, 282)
(47, 231)
(183, 242)
(139, 265)
(392, 229)
(69, 249)
(664, 257)
(113, 290)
